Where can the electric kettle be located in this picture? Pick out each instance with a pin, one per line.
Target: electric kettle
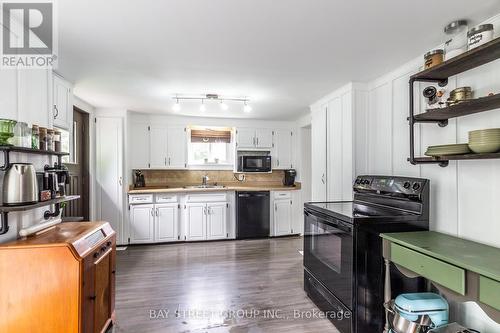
(20, 186)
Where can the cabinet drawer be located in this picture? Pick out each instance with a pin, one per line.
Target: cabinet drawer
(282, 195)
(164, 198)
(209, 197)
(140, 198)
(489, 292)
(433, 269)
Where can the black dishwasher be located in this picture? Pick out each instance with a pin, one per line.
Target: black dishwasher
(252, 215)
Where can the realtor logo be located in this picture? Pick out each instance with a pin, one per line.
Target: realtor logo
(28, 34)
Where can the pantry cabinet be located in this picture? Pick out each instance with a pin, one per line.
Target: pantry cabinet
(254, 138)
(62, 110)
(282, 152)
(339, 126)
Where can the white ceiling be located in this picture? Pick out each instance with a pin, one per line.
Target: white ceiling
(282, 54)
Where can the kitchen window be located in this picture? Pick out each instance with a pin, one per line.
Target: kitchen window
(210, 146)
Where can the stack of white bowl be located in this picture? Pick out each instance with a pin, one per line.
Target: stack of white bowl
(485, 141)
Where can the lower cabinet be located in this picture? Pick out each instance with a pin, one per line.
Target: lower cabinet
(206, 221)
(154, 223)
(282, 217)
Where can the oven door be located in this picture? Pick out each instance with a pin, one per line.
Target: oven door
(256, 163)
(328, 254)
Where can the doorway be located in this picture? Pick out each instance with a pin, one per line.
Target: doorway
(79, 169)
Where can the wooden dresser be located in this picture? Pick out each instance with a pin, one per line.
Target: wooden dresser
(62, 280)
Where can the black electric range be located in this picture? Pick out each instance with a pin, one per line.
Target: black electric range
(343, 264)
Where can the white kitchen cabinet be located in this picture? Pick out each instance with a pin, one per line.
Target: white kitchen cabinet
(263, 138)
(216, 221)
(158, 138)
(252, 138)
(339, 129)
(167, 147)
(166, 222)
(196, 221)
(63, 103)
(245, 138)
(142, 224)
(283, 217)
(176, 147)
(139, 145)
(318, 153)
(282, 153)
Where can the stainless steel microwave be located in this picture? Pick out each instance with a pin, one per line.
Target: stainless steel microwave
(254, 164)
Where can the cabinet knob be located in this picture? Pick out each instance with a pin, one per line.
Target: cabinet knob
(96, 254)
(92, 298)
(109, 243)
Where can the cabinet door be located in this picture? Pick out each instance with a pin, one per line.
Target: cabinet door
(264, 138)
(102, 289)
(158, 147)
(216, 220)
(318, 153)
(139, 146)
(282, 217)
(196, 221)
(141, 224)
(245, 138)
(166, 222)
(176, 143)
(283, 149)
(63, 103)
(334, 154)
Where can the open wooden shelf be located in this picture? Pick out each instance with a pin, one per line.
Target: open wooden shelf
(21, 208)
(471, 59)
(462, 109)
(31, 151)
(462, 157)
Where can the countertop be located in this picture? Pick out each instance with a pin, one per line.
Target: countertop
(472, 256)
(228, 187)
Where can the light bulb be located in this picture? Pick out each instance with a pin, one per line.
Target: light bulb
(203, 108)
(247, 108)
(223, 106)
(177, 106)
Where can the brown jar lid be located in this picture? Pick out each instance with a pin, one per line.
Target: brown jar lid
(433, 52)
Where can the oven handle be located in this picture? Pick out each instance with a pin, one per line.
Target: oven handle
(333, 222)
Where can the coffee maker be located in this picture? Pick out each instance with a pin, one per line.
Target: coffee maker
(289, 179)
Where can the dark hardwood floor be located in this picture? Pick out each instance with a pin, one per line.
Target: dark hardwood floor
(229, 286)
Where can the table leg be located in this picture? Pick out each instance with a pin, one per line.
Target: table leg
(387, 293)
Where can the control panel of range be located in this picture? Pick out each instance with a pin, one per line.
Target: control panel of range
(379, 184)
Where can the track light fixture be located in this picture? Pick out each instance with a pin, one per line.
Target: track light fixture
(212, 97)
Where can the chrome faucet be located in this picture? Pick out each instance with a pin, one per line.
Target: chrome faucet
(204, 180)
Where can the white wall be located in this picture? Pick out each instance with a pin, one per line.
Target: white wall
(464, 195)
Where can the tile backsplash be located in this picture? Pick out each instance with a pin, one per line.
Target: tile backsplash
(194, 177)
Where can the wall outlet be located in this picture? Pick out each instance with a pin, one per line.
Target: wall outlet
(241, 177)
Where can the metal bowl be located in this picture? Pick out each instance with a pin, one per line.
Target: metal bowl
(402, 325)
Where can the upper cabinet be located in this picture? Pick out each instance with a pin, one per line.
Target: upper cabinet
(282, 152)
(62, 110)
(157, 146)
(254, 138)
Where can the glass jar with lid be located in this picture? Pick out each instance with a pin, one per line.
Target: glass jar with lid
(457, 44)
(57, 141)
(42, 138)
(35, 137)
(50, 140)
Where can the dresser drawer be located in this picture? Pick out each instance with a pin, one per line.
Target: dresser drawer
(165, 198)
(140, 198)
(489, 292)
(433, 269)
